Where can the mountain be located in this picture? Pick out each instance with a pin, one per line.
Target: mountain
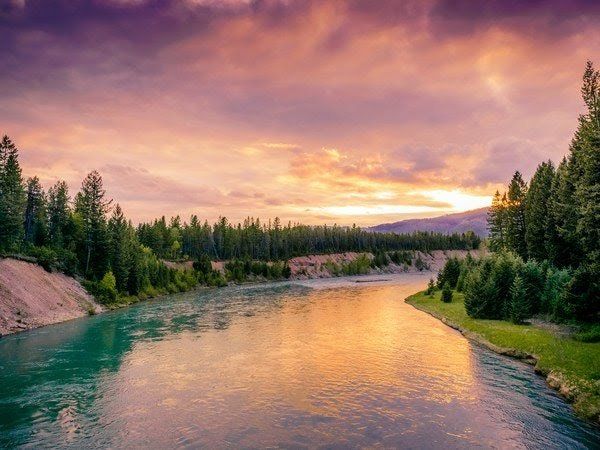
(474, 220)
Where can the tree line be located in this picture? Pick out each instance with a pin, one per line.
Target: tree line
(272, 241)
(89, 236)
(547, 235)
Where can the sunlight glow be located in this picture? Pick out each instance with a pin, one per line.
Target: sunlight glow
(366, 210)
(458, 200)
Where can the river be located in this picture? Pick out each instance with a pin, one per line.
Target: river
(338, 364)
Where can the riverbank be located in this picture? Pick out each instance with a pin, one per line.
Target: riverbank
(571, 367)
(31, 297)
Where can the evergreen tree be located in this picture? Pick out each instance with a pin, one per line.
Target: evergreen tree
(515, 229)
(537, 207)
(58, 213)
(519, 305)
(120, 248)
(565, 246)
(12, 196)
(496, 219)
(35, 224)
(92, 206)
(587, 155)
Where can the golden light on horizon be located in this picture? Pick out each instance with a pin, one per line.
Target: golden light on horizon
(459, 200)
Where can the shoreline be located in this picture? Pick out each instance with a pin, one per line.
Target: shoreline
(554, 378)
(315, 283)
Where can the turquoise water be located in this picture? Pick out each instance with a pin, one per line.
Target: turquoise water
(275, 365)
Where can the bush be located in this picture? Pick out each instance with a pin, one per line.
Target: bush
(430, 287)
(446, 293)
(360, 266)
(380, 259)
(401, 258)
(287, 270)
(590, 333)
(45, 256)
(105, 290)
(203, 264)
(421, 265)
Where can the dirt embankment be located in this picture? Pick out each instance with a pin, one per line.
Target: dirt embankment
(314, 266)
(30, 297)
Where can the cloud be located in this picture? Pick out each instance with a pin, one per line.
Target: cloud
(502, 157)
(273, 107)
(137, 184)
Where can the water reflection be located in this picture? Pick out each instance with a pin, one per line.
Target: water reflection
(282, 366)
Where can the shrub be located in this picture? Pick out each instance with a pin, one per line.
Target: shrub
(446, 293)
(46, 257)
(401, 257)
(105, 290)
(360, 266)
(590, 333)
(287, 270)
(421, 265)
(203, 264)
(430, 287)
(380, 259)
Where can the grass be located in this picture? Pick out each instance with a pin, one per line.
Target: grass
(575, 363)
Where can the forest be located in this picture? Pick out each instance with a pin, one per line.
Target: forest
(545, 235)
(90, 237)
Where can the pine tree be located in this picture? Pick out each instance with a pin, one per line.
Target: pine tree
(587, 155)
(515, 229)
(497, 223)
(120, 248)
(36, 221)
(12, 196)
(565, 246)
(58, 213)
(91, 205)
(519, 306)
(537, 207)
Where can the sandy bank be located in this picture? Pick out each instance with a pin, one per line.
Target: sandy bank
(30, 297)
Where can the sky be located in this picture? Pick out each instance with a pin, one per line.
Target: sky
(314, 111)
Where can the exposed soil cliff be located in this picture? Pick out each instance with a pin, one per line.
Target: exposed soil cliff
(314, 266)
(30, 297)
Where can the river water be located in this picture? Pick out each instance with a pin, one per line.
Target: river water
(280, 365)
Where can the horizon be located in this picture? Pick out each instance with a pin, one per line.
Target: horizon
(315, 112)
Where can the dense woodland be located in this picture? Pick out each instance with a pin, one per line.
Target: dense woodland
(89, 236)
(271, 241)
(546, 235)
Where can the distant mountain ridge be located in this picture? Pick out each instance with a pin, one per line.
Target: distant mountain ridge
(474, 220)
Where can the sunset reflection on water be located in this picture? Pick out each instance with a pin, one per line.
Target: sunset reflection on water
(330, 363)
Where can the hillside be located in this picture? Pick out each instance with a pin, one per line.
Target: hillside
(474, 220)
(30, 297)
